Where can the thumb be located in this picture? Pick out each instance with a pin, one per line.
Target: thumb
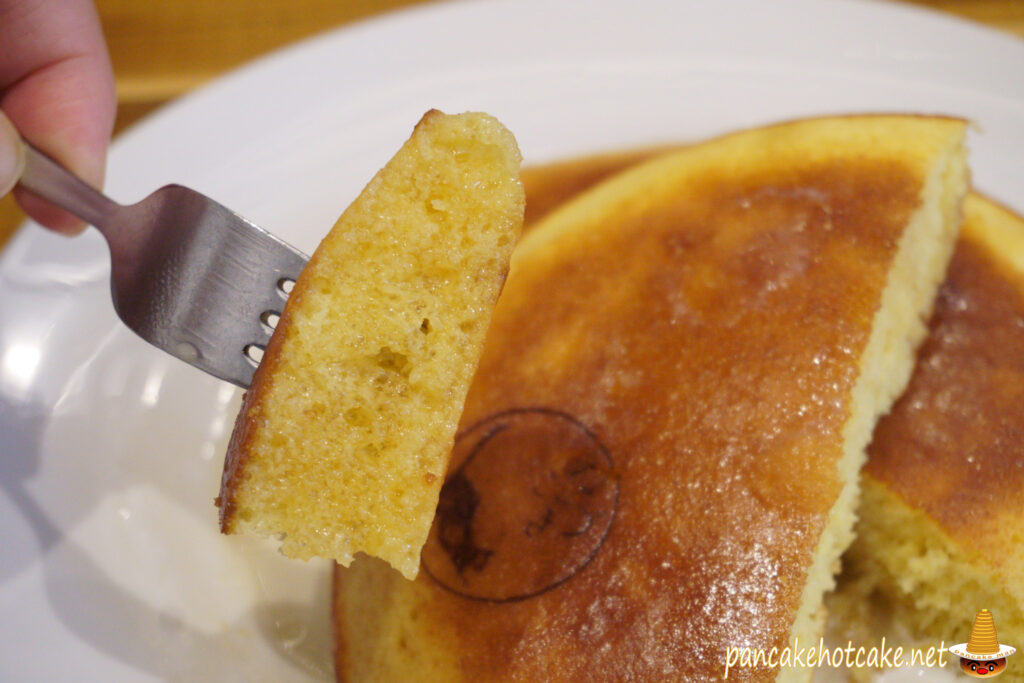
(12, 155)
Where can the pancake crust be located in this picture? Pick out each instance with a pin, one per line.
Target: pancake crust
(671, 401)
(941, 528)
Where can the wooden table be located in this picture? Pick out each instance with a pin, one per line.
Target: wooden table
(161, 50)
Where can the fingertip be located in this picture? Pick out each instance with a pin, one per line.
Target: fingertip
(48, 215)
(63, 118)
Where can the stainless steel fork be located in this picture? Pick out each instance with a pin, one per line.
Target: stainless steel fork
(187, 275)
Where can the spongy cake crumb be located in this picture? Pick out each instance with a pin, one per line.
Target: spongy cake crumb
(343, 439)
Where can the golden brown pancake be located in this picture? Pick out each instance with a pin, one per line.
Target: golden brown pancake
(941, 529)
(344, 436)
(658, 455)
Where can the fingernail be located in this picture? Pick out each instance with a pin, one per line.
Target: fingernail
(12, 155)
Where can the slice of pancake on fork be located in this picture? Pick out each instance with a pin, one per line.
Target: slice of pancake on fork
(344, 435)
(659, 453)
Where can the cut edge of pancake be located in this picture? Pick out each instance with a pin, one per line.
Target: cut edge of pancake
(885, 367)
(903, 574)
(915, 588)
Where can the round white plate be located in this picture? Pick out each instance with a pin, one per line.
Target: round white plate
(111, 567)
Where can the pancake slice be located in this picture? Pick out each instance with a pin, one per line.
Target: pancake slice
(941, 525)
(344, 436)
(658, 456)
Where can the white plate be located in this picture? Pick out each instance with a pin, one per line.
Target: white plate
(111, 567)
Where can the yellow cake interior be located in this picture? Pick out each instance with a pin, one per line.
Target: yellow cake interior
(344, 436)
(941, 529)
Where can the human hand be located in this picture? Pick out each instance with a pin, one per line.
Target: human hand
(57, 88)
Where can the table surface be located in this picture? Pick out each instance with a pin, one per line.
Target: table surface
(163, 50)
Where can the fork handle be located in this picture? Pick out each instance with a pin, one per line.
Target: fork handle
(54, 183)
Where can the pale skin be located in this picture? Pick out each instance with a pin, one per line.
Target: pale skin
(57, 90)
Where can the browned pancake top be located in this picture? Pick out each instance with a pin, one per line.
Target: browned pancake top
(647, 458)
(953, 446)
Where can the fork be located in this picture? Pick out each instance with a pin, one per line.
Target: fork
(187, 274)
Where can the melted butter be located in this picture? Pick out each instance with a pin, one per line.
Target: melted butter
(551, 185)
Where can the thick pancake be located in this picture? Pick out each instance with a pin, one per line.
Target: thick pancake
(941, 529)
(658, 455)
(343, 439)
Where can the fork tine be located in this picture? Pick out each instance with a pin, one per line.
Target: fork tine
(213, 296)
